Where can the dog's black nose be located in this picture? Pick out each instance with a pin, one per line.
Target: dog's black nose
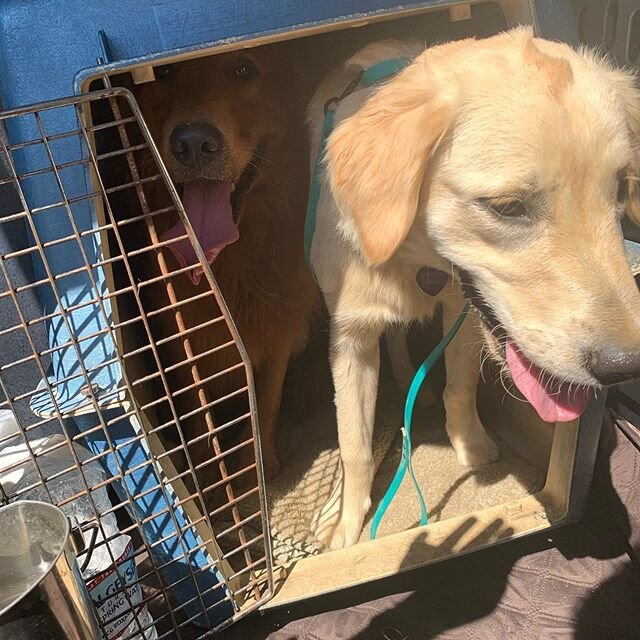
(612, 365)
(195, 145)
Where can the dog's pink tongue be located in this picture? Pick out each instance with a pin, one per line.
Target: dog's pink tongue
(207, 204)
(556, 404)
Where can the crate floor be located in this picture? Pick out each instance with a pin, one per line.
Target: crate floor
(310, 457)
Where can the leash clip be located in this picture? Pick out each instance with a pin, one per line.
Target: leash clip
(329, 103)
(349, 89)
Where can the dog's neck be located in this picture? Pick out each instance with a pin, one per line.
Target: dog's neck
(271, 222)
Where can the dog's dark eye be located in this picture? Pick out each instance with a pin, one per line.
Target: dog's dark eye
(245, 69)
(513, 208)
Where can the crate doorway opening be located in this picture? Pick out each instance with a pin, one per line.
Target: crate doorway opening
(306, 428)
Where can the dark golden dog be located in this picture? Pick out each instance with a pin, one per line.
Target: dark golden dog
(230, 129)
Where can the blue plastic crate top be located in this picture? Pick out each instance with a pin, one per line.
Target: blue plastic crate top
(45, 44)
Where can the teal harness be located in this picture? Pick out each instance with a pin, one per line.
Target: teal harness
(367, 78)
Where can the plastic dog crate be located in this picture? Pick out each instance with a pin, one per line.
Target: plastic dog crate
(67, 364)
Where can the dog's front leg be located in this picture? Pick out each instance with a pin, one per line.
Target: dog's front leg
(467, 434)
(269, 380)
(355, 362)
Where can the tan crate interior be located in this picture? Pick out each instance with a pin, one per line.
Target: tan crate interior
(526, 491)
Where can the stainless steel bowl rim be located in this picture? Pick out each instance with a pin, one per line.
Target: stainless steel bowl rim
(47, 505)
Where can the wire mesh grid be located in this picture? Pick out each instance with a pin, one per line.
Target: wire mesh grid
(132, 391)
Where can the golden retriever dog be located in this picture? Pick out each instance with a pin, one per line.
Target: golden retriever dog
(230, 129)
(510, 161)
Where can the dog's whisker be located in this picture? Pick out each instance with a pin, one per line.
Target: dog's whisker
(262, 158)
(504, 386)
(499, 327)
(485, 355)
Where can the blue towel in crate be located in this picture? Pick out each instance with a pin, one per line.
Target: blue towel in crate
(185, 561)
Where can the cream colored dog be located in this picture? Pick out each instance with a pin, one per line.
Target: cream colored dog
(509, 161)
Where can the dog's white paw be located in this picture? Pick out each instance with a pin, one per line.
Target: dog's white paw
(339, 524)
(477, 449)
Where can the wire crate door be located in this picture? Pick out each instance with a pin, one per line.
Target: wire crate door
(127, 359)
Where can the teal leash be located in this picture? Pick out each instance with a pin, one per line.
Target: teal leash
(367, 78)
(405, 461)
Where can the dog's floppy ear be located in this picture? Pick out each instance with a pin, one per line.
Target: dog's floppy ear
(377, 158)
